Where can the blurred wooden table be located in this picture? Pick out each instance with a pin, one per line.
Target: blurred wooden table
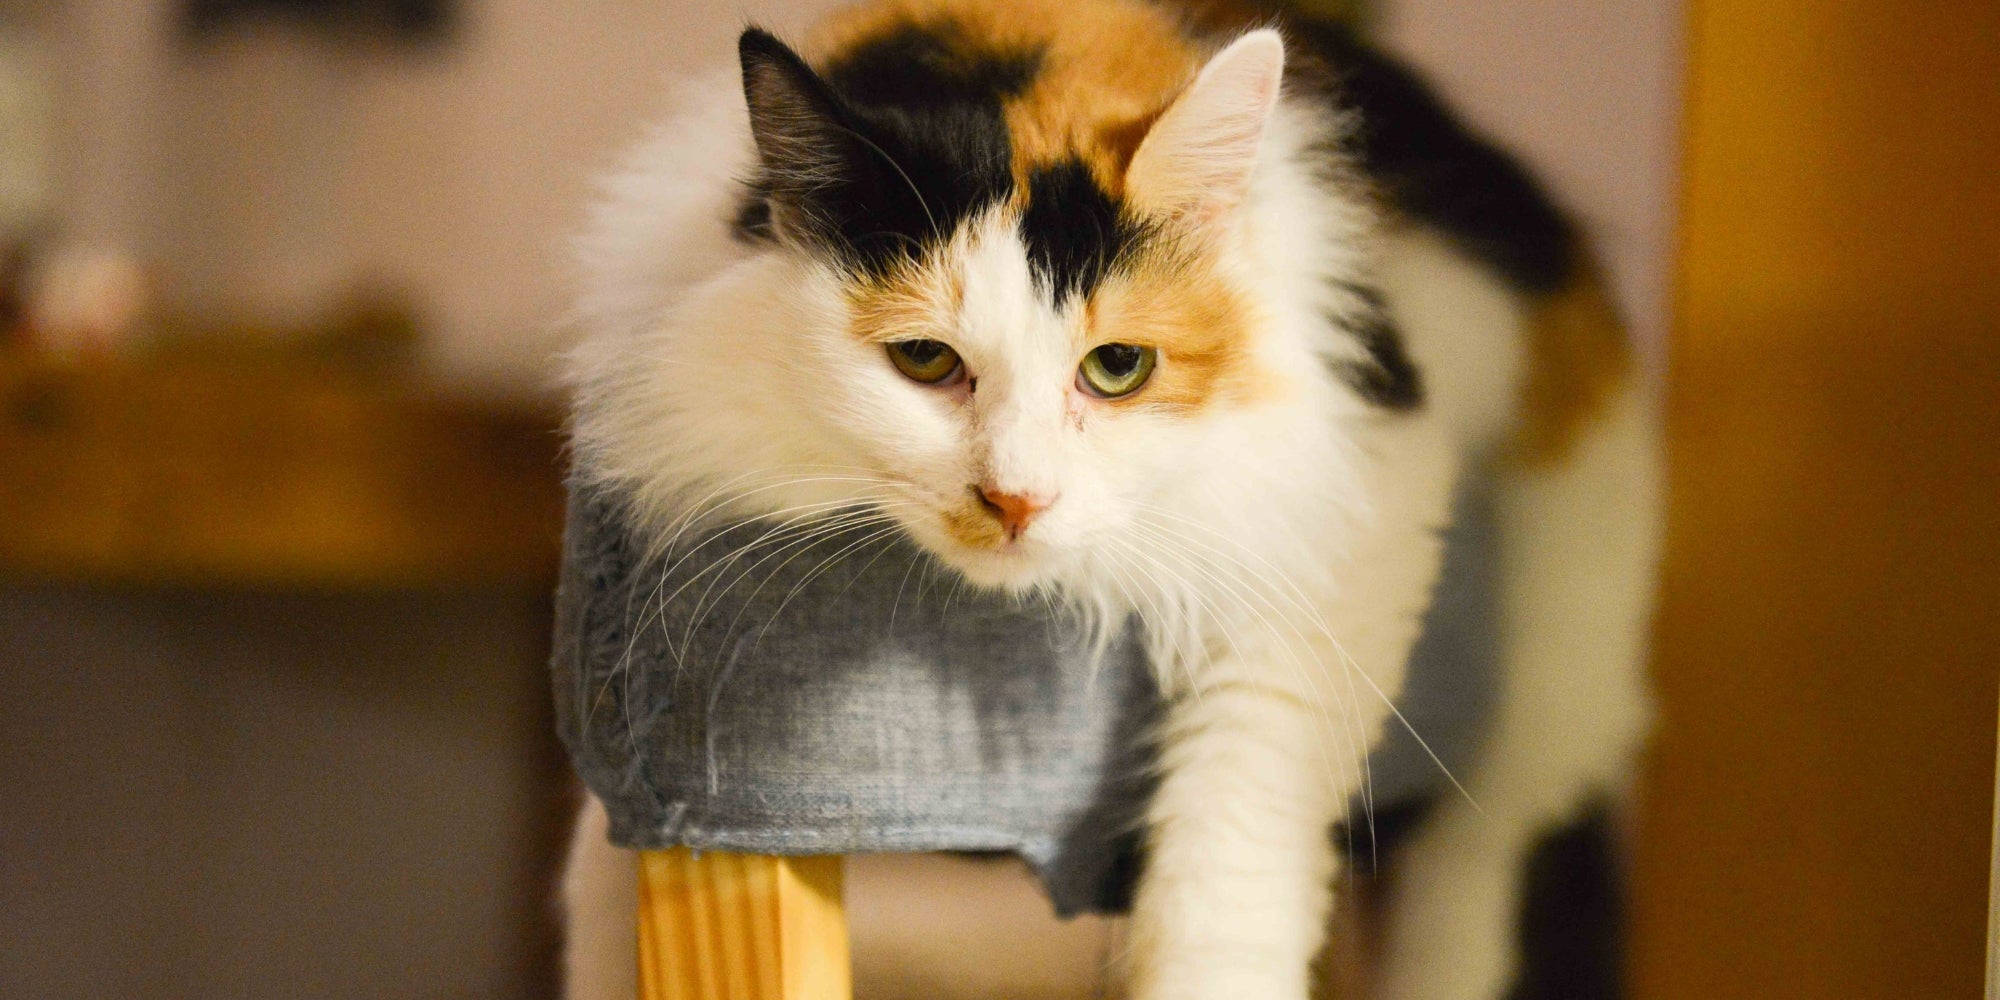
(260, 474)
(257, 760)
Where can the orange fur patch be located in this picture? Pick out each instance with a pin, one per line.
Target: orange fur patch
(1201, 326)
(1107, 69)
(973, 527)
(906, 304)
(1577, 356)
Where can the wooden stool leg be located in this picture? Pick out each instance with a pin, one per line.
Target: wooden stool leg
(741, 927)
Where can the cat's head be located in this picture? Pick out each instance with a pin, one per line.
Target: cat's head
(1020, 310)
(1019, 300)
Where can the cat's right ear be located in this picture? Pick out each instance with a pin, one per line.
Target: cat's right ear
(1197, 160)
(802, 134)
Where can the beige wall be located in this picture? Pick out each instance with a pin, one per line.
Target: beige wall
(269, 173)
(264, 173)
(1588, 91)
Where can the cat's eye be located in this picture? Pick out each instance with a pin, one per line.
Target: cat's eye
(1113, 370)
(931, 362)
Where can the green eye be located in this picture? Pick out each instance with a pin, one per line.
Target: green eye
(1115, 370)
(931, 362)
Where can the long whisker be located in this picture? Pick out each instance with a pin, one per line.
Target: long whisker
(1317, 699)
(649, 610)
(801, 513)
(824, 565)
(873, 515)
(1320, 624)
(1139, 597)
(1354, 759)
(693, 512)
(801, 541)
(897, 604)
(900, 172)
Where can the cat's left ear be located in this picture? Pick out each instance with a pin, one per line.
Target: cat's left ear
(801, 129)
(1195, 162)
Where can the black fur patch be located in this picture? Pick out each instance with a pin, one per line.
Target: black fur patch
(931, 67)
(1369, 846)
(890, 149)
(752, 222)
(1074, 232)
(1573, 916)
(1436, 171)
(1387, 377)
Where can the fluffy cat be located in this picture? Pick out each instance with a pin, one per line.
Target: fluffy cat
(1197, 315)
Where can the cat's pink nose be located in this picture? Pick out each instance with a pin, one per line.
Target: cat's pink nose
(1015, 510)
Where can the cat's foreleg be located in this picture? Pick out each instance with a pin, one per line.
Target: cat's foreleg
(1266, 738)
(1259, 761)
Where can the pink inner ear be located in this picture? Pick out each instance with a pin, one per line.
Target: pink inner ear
(1197, 160)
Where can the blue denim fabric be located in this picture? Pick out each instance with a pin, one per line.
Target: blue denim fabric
(849, 696)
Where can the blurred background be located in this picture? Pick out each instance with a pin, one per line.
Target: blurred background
(280, 281)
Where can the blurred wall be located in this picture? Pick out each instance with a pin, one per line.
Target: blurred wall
(1589, 92)
(265, 171)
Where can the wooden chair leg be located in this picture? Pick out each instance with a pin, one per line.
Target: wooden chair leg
(741, 927)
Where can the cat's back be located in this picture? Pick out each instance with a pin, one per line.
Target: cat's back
(1494, 310)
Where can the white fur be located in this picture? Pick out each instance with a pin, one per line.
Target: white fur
(1199, 157)
(1463, 330)
(1578, 543)
(1281, 553)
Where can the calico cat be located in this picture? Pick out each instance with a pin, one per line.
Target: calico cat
(1196, 315)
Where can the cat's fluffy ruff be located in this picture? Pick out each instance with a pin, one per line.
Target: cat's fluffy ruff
(1275, 528)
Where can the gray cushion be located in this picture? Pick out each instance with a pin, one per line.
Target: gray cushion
(847, 695)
